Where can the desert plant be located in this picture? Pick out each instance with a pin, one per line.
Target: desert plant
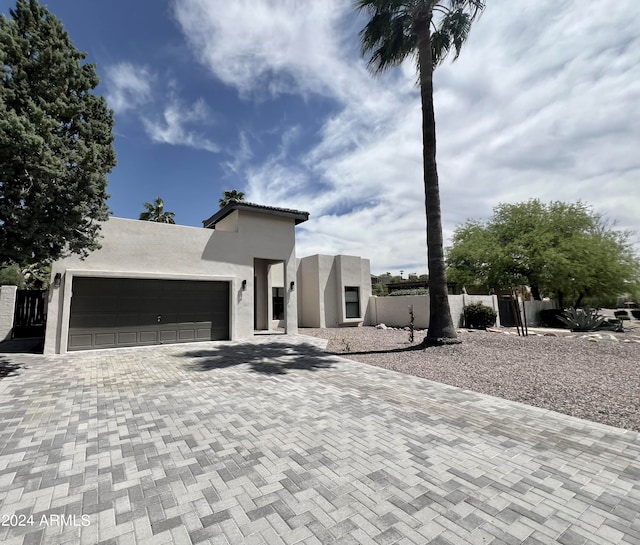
(621, 315)
(411, 324)
(582, 319)
(478, 316)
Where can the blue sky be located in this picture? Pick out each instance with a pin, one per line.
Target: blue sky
(271, 97)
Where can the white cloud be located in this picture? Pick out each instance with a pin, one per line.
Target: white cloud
(539, 105)
(128, 86)
(240, 156)
(175, 127)
(166, 119)
(269, 47)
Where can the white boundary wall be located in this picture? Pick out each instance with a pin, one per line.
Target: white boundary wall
(394, 311)
(7, 310)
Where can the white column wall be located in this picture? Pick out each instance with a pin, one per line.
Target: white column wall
(7, 310)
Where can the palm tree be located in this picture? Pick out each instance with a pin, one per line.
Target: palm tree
(233, 195)
(155, 212)
(427, 30)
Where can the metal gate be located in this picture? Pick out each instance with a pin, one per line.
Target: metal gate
(507, 313)
(31, 314)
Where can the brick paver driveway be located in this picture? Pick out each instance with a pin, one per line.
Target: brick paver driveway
(274, 441)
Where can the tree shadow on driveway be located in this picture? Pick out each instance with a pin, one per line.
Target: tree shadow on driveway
(412, 348)
(273, 358)
(8, 368)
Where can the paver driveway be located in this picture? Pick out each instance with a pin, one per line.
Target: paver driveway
(274, 441)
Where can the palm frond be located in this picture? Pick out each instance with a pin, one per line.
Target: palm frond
(155, 212)
(457, 25)
(388, 36)
(440, 46)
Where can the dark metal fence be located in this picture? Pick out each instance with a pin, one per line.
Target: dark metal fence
(31, 314)
(507, 314)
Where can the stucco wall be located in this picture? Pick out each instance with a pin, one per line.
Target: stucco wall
(394, 311)
(7, 310)
(139, 249)
(323, 279)
(309, 300)
(352, 271)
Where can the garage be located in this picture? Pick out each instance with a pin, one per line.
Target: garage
(119, 312)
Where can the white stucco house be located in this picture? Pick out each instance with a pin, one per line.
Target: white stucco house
(154, 283)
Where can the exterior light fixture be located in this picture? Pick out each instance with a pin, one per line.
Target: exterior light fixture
(292, 285)
(244, 285)
(57, 280)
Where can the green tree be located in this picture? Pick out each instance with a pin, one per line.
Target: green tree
(11, 275)
(562, 250)
(34, 276)
(380, 290)
(233, 195)
(56, 142)
(426, 30)
(155, 212)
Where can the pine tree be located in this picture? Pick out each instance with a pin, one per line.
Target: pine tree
(56, 142)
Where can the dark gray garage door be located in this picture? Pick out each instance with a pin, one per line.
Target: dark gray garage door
(111, 312)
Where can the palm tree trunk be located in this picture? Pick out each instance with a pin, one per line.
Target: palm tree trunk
(441, 329)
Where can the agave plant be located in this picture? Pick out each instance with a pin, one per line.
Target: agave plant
(582, 319)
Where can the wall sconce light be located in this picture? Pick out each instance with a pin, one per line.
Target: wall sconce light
(244, 285)
(292, 285)
(57, 280)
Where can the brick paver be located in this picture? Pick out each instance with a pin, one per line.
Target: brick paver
(274, 441)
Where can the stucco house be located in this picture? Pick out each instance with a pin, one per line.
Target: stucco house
(154, 283)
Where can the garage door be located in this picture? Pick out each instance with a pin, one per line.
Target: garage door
(113, 312)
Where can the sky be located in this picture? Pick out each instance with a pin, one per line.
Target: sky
(272, 98)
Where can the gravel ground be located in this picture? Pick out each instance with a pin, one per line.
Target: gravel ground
(598, 381)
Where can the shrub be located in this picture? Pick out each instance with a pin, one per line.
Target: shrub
(549, 318)
(478, 316)
(582, 319)
(414, 291)
(635, 313)
(621, 315)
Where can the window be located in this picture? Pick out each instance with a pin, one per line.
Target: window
(278, 303)
(352, 302)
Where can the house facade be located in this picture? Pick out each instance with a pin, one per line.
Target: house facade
(153, 283)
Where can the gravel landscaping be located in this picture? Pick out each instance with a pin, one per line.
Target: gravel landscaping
(591, 377)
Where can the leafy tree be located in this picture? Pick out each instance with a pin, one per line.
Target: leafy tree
(426, 30)
(233, 195)
(155, 212)
(11, 275)
(561, 250)
(380, 290)
(34, 276)
(56, 142)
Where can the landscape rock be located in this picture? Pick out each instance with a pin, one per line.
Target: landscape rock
(564, 373)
